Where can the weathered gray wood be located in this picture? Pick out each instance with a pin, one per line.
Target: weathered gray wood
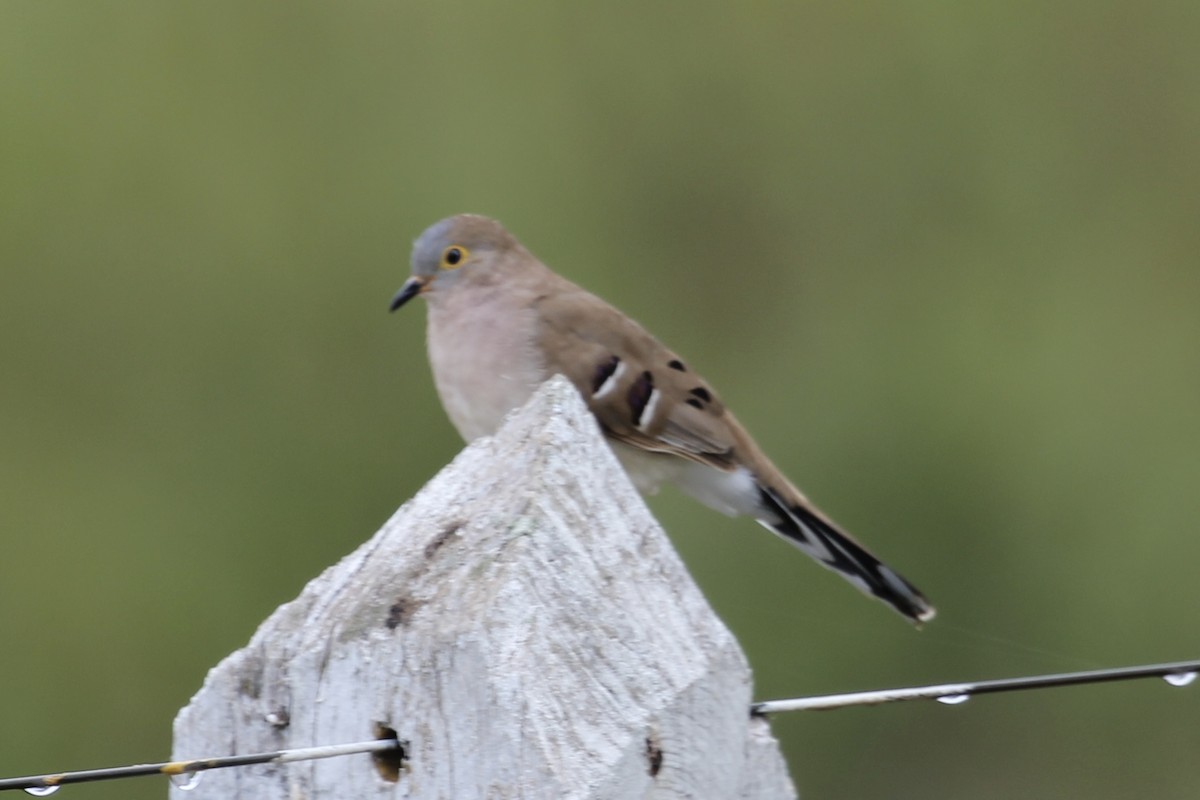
(523, 623)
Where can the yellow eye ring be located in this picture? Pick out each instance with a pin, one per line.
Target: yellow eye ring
(454, 256)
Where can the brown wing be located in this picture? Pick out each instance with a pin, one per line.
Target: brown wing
(642, 393)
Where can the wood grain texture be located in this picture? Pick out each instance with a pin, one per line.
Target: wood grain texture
(522, 623)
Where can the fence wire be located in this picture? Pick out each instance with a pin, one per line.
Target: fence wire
(186, 774)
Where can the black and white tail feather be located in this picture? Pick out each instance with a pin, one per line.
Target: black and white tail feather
(835, 550)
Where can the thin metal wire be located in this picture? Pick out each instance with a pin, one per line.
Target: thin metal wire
(51, 782)
(1179, 673)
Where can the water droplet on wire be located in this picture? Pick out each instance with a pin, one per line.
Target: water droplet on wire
(187, 781)
(954, 699)
(1180, 678)
(42, 791)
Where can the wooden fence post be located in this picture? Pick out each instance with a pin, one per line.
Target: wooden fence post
(522, 624)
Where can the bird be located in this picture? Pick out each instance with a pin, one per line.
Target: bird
(500, 323)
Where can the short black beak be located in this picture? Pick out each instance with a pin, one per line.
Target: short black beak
(411, 288)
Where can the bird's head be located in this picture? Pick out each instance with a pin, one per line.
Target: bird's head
(461, 248)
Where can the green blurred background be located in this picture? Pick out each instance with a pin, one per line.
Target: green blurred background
(942, 258)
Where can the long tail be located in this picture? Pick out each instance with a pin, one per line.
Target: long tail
(820, 538)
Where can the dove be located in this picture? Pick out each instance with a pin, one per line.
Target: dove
(500, 323)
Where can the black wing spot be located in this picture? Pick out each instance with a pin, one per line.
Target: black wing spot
(604, 371)
(702, 393)
(675, 363)
(639, 395)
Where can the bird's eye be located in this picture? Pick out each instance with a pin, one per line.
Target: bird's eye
(454, 256)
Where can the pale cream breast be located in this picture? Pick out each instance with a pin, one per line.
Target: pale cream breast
(484, 361)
